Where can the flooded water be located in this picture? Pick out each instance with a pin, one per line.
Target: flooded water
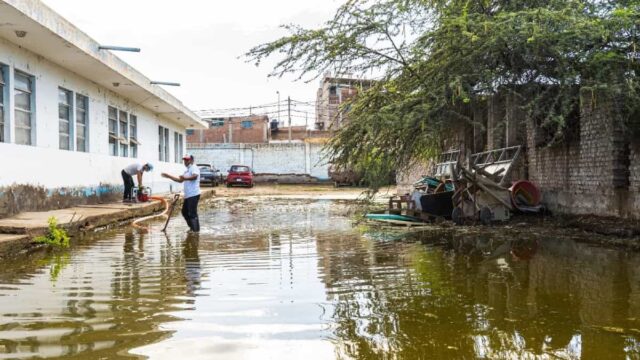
(294, 279)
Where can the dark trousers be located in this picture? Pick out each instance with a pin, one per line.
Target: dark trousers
(190, 212)
(128, 186)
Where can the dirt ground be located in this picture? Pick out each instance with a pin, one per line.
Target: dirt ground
(589, 229)
(310, 191)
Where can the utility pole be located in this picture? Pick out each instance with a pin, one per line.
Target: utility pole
(339, 105)
(289, 106)
(278, 107)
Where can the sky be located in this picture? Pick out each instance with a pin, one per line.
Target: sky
(200, 43)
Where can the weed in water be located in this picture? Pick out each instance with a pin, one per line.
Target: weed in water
(56, 236)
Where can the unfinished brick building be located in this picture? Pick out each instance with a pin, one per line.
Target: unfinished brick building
(596, 170)
(254, 129)
(332, 93)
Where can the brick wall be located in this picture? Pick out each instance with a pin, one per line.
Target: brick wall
(596, 172)
(634, 174)
(233, 131)
(589, 175)
(405, 179)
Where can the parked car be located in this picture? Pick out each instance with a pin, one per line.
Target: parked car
(240, 175)
(210, 175)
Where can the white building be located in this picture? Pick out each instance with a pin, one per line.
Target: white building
(72, 115)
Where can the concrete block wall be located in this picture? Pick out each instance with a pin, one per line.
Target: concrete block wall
(589, 175)
(281, 160)
(634, 174)
(405, 179)
(597, 172)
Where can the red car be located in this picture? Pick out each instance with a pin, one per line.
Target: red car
(240, 175)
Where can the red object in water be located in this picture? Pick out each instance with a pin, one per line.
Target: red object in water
(525, 194)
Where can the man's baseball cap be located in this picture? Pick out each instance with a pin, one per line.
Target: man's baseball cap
(187, 157)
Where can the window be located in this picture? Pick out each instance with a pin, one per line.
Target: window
(177, 147)
(64, 118)
(239, 169)
(247, 124)
(217, 123)
(190, 132)
(2, 104)
(124, 134)
(82, 117)
(133, 135)
(113, 131)
(163, 144)
(23, 95)
(121, 126)
(160, 143)
(166, 145)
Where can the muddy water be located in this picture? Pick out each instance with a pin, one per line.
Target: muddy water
(292, 279)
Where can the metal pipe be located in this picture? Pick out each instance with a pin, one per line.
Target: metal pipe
(164, 83)
(118, 48)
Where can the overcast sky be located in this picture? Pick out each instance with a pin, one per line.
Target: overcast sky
(198, 43)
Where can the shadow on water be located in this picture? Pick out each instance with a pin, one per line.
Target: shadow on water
(295, 279)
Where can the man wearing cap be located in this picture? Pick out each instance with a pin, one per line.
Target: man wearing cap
(127, 177)
(191, 180)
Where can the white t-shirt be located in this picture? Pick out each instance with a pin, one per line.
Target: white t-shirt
(192, 187)
(133, 168)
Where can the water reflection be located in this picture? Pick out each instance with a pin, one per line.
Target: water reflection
(94, 299)
(478, 297)
(294, 279)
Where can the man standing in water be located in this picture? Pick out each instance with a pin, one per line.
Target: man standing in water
(191, 180)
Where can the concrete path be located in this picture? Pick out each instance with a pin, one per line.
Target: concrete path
(89, 216)
(17, 232)
(84, 217)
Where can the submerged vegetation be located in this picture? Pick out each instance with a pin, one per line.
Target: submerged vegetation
(434, 60)
(56, 236)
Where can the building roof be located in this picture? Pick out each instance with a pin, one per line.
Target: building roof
(344, 80)
(264, 118)
(50, 35)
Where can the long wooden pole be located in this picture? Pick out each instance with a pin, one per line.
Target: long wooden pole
(176, 197)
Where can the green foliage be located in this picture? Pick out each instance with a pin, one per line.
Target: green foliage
(435, 59)
(58, 263)
(55, 236)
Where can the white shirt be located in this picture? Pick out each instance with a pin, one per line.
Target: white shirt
(191, 187)
(133, 168)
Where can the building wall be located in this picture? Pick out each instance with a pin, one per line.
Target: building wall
(634, 173)
(298, 133)
(233, 132)
(596, 171)
(330, 95)
(31, 171)
(592, 174)
(304, 160)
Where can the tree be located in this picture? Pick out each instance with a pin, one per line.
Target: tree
(433, 58)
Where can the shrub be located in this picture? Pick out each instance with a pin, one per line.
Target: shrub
(55, 236)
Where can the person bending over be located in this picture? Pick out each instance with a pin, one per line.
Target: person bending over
(127, 177)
